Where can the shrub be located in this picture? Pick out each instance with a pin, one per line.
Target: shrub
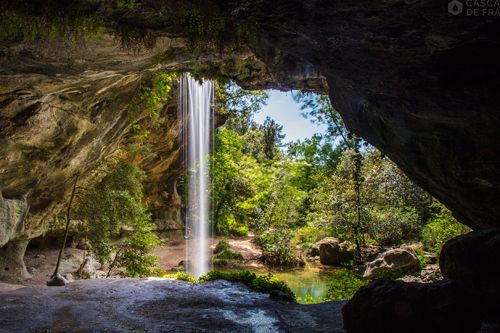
(260, 283)
(223, 251)
(180, 276)
(115, 202)
(393, 225)
(276, 247)
(228, 226)
(441, 227)
(309, 234)
(308, 299)
(343, 286)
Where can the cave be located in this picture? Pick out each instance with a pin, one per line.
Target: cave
(416, 79)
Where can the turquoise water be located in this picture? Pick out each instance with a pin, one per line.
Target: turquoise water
(312, 280)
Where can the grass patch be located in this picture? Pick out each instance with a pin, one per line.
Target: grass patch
(180, 276)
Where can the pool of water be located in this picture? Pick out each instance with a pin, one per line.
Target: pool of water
(312, 279)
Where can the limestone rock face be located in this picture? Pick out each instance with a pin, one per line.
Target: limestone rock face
(52, 129)
(12, 215)
(396, 306)
(395, 260)
(12, 267)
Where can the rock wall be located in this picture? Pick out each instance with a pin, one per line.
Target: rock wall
(415, 81)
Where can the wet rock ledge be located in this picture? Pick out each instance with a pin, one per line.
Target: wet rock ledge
(158, 305)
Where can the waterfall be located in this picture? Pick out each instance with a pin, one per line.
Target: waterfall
(196, 120)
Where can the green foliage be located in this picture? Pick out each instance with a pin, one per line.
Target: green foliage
(387, 209)
(228, 185)
(392, 225)
(319, 153)
(211, 30)
(260, 283)
(180, 276)
(228, 226)
(308, 299)
(343, 286)
(150, 100)
(113, 204)
(223, 251)
(309, 234)
(441, 227)
(49, 22)
(276, 209)
(422, 259)
(125, 4)
(272, 135)
(238, 106)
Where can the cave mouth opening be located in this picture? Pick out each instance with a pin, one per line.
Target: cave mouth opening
(428, 101)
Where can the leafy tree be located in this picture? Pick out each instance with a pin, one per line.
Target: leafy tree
(340, 203)
(272, 135)
(115, 204)
(367, 196)
(441, 227)
(228, 186)
(276, 209)
(318, 153)
(239, 106)
(319, 110)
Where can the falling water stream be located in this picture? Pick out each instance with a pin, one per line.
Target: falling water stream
(196, 118)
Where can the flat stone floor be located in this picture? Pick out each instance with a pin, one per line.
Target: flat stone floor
(158, 305)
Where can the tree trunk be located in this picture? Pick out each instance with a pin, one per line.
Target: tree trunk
(113, 264)
(68, 210)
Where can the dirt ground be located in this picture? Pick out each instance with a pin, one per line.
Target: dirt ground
(41, 263)
(172, 252)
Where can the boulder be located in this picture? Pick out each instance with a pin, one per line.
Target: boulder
(182, 266)
(396, 260)
(281, 296)
(387, 306)
(334, 252)
(57, 281)
(473, 261)
(72, 263)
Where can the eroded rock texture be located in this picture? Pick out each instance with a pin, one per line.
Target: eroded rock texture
(413, 80)
(472, 261)
(159, 305)
(396, 306)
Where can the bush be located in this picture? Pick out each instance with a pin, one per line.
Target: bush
(115, 203)
(307, 235)
(276, 247)
(391, 226)
(180, 276)
(308, 299)
(343, 286)
(260, 283)
(228, 226)
(223, 251)
(441, 227)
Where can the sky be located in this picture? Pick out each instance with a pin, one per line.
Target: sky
(282, 108)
